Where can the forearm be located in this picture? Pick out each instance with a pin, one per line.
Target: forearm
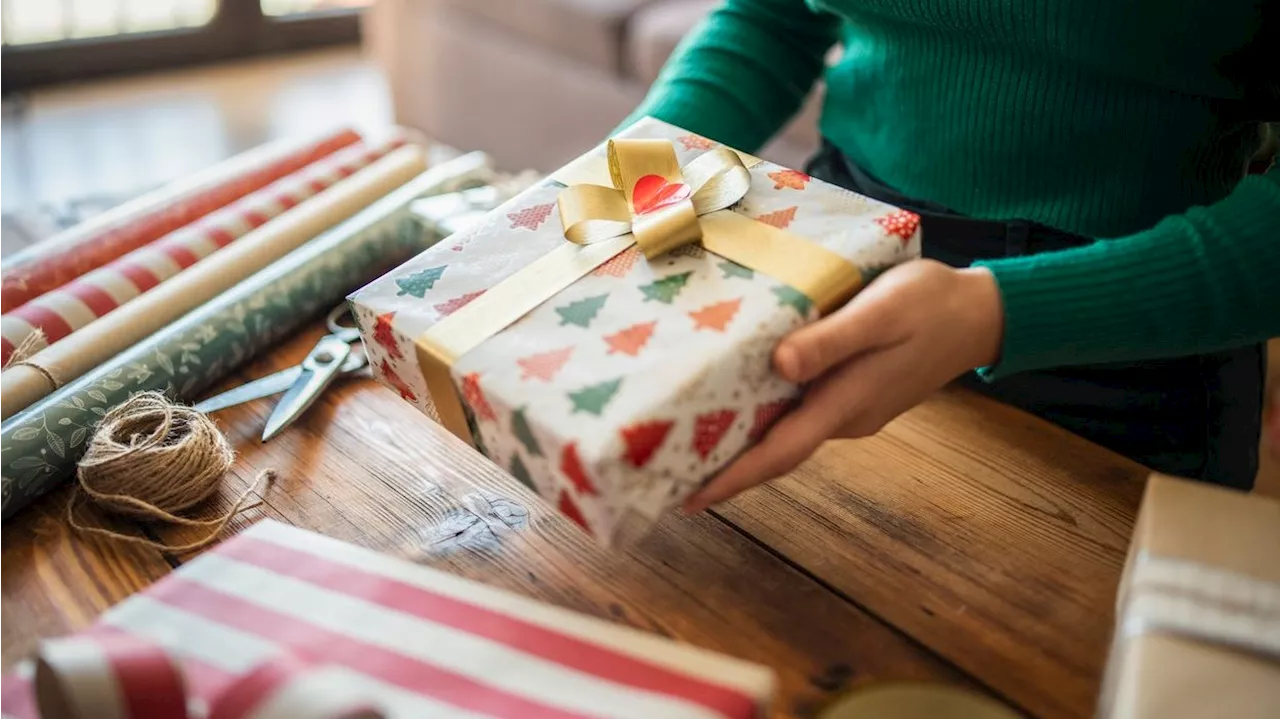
(743, 72)
(1204, 280)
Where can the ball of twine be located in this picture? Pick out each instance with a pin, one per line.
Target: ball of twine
(150, 459)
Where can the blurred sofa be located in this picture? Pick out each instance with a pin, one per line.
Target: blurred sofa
(536, 82)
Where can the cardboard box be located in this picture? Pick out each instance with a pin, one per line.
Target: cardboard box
(1198, 612)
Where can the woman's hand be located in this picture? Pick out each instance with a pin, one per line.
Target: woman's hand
(910, 332)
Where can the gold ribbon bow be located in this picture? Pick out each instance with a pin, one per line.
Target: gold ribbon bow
(652, 197)
(655, 204)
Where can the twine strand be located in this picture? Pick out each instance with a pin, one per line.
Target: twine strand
(27, 348)
(150, 459)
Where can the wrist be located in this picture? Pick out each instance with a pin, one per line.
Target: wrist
(983, 312)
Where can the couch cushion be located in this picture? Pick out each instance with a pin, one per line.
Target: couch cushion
(655, 31)
(589, 31)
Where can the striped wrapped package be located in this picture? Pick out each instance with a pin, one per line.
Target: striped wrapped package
(276, 607)
(58, 313)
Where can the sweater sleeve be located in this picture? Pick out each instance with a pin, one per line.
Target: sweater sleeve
(1205, 280)
(743, 72)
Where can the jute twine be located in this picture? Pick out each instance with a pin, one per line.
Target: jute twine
(149, 459)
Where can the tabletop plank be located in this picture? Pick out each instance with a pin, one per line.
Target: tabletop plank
(992, 537)
(366, 467)
(55, 581)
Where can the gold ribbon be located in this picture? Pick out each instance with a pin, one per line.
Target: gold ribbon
(651, 202)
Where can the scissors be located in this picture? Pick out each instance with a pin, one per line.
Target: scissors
(337, 354)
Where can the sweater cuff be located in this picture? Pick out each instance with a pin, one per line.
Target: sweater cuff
(1114, 300)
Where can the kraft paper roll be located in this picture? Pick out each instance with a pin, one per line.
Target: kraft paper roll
(41, 445)
(56, 261)
(23, 384)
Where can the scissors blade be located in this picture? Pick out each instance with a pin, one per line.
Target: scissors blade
(274, 383)
(257, 389)
(318, 371)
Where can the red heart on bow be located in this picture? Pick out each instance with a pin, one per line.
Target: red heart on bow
(652, 193)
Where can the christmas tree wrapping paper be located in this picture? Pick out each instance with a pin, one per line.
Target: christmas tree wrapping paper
(641, 374)
(40, 446)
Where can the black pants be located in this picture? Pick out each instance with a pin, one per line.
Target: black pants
(1196, 416)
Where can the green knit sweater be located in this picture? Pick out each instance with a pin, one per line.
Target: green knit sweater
(1131, 120)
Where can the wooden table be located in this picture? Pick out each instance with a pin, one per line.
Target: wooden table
(966, 543)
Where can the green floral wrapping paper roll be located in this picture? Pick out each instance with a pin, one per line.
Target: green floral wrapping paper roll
(40, 446)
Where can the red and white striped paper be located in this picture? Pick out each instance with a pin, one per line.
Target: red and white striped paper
(61, 258)
(121, 676)
(62, 311)
(420, 642)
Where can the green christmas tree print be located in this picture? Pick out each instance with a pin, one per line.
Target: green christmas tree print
(521, 472)
(665, 289)
(733, 269)
(581, 313)
(523, 432)
(594, 398)
(789, 296)
(418, 283)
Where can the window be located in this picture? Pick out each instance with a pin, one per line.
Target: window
(48, 41)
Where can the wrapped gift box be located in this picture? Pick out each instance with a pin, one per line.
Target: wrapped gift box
(1198, 616)
(622, 377)
(359, 627)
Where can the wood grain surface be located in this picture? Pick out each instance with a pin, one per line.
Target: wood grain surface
(967, 544)
(366, 467)
(53, 583)
(994, 538)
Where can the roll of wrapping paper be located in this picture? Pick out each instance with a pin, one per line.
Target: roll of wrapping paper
(65, 256)
(25, 383)
(39, 447)
(59, 312)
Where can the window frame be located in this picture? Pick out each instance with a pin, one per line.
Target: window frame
(238, 29)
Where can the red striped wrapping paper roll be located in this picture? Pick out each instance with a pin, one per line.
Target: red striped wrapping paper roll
(61, 264)
(119, 676)
(423, 643)
(64, 310)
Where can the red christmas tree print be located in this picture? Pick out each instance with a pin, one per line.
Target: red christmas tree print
(631, 340)
(398, 384)
(716, 317)
(570, 510)
(572, 468)
(779, 218)
(902, 224)
(530, 218)
(790, 179)
(710, 428)
(620, 264)
(644, 439)
(383, 335)
(450, 306)
(474, 397)
(696, 142)
(766, 414)
(545, 365)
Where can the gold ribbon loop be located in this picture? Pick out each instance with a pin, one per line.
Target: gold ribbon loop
(629, 160)
(652, 196)
(591, 213)
(718, 178)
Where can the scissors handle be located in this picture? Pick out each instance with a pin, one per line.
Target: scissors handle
(347, 333)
